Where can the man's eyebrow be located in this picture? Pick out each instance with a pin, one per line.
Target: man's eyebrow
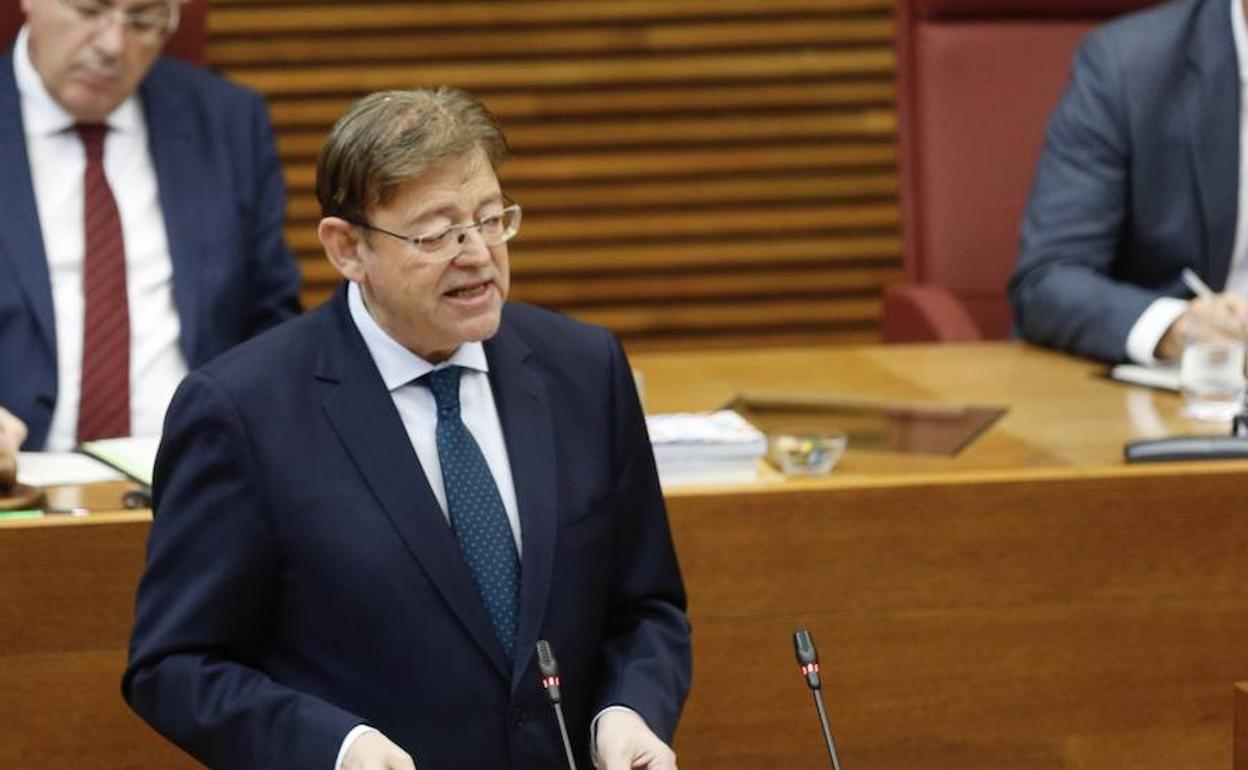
(148, 7)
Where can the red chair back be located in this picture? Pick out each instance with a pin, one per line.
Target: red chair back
(188, 43)
(977, 80)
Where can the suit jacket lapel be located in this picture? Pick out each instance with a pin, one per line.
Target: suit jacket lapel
(363, 414)
(524, 411)
(181, 165)
(1211, 106)
(21, 240)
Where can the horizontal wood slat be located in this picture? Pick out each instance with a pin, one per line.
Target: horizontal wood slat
(251, 17)
(574, 135)
(321, 111)
(389, 45)
(541, 198)
(693, 173)
(583, 72)
(661, 163)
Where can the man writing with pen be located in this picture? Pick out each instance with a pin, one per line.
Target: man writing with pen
(1142, 176)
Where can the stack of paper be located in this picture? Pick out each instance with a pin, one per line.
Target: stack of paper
(705, 447)
(134, 457)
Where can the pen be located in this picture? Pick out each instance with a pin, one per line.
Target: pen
(1193, 282)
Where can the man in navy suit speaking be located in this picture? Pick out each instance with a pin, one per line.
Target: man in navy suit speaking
(142, 227)
(367, 517)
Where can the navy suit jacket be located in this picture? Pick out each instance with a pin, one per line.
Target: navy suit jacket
(1139, 178)
(301, 577)
(223, 198)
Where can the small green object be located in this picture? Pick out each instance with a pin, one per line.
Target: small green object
(10, 515)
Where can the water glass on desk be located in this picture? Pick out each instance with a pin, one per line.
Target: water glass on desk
(1211, 371)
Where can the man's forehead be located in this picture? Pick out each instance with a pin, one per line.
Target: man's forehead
(140, 5)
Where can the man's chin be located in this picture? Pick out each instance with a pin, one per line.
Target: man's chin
(481, 329)
(87, 106)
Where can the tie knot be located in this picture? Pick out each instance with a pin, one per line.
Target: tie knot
(444, 383)
(92, 135)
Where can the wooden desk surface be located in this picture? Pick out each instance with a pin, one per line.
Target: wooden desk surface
(1029, 603)
(1064, 417)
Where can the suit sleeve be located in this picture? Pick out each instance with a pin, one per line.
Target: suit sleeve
(274, 274)
(647, 662)
(204, 601)
(1062, 290)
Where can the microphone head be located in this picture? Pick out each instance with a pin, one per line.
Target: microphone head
(550, 671)
(546, 659)
(807, 657)
(804, 647)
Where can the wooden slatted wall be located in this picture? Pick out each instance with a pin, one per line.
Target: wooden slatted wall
(693, 172)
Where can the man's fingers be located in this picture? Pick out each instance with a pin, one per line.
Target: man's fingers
(614, 760)
(374, 751)
(402, 762)
(12, 432)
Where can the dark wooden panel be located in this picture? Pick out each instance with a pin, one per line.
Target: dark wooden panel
(1060, 623)
(750, 143)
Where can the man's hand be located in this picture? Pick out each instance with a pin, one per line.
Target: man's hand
(12, 432)
(374, 751)
(625, 742)
(1225, 313)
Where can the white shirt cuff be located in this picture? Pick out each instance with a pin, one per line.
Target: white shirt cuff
(593, 730)
(1151, 326)
(356, 732)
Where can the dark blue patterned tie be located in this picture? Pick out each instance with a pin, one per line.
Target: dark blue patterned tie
(476, 510)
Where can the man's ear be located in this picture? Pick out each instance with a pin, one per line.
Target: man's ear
(342, 244)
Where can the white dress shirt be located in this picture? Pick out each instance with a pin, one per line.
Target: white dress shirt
(1152, 324)
(400, 369)
(57, 164)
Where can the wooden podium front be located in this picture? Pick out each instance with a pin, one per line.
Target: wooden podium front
(1029, 603)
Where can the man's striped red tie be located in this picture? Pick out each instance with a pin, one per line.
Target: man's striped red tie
(104, 407)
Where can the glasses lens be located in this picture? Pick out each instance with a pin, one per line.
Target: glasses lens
(501, 227)
(449, 243)
(151, 25)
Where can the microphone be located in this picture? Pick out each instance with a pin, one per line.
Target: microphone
(549, 668)
(808, 662)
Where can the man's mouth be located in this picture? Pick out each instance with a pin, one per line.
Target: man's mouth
(97, 77)
(472, 291)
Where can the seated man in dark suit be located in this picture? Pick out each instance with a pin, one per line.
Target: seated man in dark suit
(367, 517)
(142, 227)
(1141, 177)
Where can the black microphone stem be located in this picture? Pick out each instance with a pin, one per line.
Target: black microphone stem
(563, 730)
(808, 661)
(549, 668)
(827, 730)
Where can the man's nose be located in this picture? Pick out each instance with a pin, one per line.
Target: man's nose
(473, 247)
(110, 36)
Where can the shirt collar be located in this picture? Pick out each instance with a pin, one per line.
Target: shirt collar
(42, 115)
(1239, 30)
(398, 365)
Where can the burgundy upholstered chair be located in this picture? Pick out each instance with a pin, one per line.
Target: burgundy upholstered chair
(187, 43)
(977, 80)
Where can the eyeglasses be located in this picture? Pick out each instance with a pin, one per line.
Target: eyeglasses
(150, 26)
(448, 243)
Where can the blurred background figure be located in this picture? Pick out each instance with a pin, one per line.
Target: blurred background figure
(143, 222)
(1140, 178)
